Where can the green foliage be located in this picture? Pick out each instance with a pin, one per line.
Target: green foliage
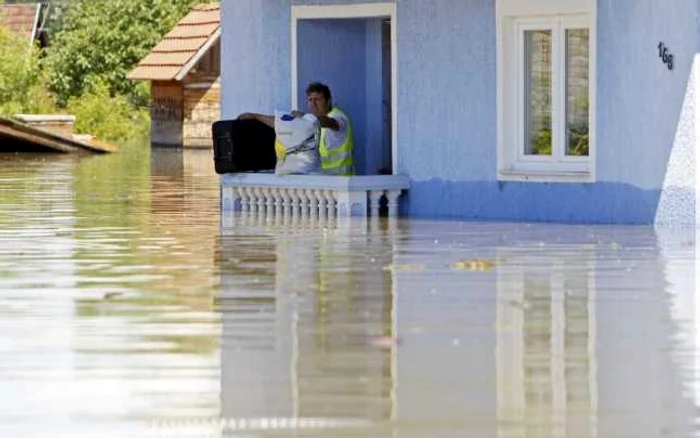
(578, 142)
(111, 118)
(543, 142)
(101, 41)
(21, 88)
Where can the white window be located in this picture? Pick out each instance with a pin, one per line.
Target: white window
(546, 90)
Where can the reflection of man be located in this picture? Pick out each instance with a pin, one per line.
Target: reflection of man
(336, 147)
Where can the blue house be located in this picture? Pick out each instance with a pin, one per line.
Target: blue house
(542, 110)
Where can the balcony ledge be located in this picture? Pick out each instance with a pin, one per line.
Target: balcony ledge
(325, 195)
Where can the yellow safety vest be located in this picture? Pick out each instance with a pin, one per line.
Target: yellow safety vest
(337, 161)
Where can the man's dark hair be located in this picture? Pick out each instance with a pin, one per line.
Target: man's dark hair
(317, 87)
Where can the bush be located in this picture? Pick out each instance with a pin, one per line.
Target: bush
(21, 86)
(110, 118)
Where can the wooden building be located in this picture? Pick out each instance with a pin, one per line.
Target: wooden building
(184, 71)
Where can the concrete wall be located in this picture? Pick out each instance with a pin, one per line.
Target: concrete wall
(447, 111)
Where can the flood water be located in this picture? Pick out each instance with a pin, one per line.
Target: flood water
(128, 310)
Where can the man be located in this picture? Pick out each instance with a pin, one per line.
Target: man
(336, 144)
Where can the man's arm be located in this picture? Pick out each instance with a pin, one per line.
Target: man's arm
(329, 122)
(324, 121)
(264, 118)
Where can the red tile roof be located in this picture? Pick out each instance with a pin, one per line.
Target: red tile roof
(20, 18)
(182, 47)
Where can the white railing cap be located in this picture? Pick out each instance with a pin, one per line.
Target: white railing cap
(323, 182)
(45, 118)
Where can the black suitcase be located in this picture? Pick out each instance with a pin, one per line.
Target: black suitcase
(243, 146)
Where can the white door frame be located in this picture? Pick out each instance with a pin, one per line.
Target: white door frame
(364, 10)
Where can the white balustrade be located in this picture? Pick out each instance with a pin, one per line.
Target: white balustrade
(318, 197)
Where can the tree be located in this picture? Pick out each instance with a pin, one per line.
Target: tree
(101, 41)
(21, 88)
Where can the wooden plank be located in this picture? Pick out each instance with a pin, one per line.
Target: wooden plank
(20, 132)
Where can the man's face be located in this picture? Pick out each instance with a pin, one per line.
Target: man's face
(318, 105)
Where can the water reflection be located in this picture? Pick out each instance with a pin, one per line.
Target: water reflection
(459, 330)
(301, 307)
(107, 318)
(130, 307)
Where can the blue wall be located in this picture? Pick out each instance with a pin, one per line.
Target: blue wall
(255, 56)
(447, 132)
(643, 134)
(346, 55)
(447, 108)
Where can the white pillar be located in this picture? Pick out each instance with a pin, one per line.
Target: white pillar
(322, 203)
(278, 201)
(269, 200)
(241, 196)
(287, 201)
(330, 202)
(249, 199)
(296, 202)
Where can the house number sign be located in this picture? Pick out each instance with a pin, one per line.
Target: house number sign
(666, 58)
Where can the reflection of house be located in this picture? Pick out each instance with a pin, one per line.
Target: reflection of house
(505, 109)
(298, 317)
(546, 355)
(184, 73)
(560, 336)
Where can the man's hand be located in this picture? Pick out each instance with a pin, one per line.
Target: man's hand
(264, 118)
(297, 113)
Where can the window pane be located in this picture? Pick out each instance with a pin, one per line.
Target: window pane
(538, 92)
(577, 60)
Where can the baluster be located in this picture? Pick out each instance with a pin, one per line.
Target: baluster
(330, 203)
(253, 200)
(287, 201)
(277, 195)
(305, 203)
(313, 203)
(241, 197)
(279, 210)
(260, 200)
(322, 203)
(270, 200)
(296, 202)
(250, 199)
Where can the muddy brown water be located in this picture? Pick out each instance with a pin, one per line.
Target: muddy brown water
(126, 309)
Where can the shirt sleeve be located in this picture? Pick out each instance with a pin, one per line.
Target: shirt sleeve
(342, 124)
(337, 138)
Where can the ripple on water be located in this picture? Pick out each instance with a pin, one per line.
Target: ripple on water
(126, 311)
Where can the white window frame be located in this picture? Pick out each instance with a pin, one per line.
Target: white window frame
(513, 20)
(361, 10)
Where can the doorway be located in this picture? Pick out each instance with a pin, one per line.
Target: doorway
(351, 49)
